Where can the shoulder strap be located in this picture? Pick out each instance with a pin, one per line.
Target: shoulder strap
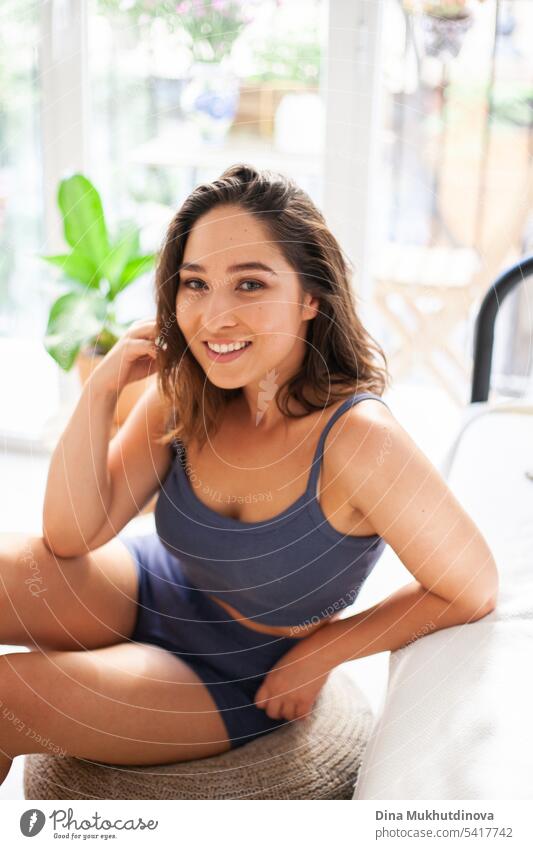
(346, 405)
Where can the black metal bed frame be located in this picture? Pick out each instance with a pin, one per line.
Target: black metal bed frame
(485, 321)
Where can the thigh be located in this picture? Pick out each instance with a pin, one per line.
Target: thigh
(65, 603)
(130, 703)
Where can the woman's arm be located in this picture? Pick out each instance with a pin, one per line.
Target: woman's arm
(293, 684)
(409, 504)
(407, 501)
(79, 487)
(404, 616)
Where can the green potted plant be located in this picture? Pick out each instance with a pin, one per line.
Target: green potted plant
(82, 325)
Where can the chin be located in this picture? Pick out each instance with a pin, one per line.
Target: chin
(225, 384)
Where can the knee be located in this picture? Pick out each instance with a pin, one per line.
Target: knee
(21, 705)
(12, 724)
(12, 682)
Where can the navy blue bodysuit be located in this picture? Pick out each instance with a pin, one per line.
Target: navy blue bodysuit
(291, 570)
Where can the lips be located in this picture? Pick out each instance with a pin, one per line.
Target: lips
(228, 356)
(225, 341)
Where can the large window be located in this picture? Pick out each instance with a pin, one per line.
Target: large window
(21, 203)
(154, 117)
(455, 188)
(28, 378)
(140, 106)
(164, 118)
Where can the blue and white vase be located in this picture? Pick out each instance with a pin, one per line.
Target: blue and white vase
(210, 99)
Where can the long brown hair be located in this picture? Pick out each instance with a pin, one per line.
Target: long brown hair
(340, 354)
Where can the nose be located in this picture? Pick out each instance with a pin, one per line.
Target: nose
(218, 310)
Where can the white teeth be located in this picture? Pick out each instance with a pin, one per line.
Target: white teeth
(224, 349)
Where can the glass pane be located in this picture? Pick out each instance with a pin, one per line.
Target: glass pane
(22, 301)
(24, 295)
(164, 118)
(455, 186)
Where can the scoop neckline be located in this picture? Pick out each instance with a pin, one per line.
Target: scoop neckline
(312, 504)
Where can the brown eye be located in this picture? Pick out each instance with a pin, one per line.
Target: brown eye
(254, 283)
(187, 283)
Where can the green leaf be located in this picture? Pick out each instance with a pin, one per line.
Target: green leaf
(75, 319)
(83, 218)
(125, 248)
(77, 267)
(133, 269)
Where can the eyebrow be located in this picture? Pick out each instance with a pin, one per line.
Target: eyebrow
(241, 266)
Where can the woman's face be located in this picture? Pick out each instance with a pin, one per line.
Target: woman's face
(236, 286)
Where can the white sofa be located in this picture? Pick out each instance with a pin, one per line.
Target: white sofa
(456, 718)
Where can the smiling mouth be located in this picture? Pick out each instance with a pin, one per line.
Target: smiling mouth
(225, 356)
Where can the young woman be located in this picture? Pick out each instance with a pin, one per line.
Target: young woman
(282, 475)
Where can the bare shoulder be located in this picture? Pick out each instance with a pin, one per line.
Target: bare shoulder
(363, 434)
(356, 446)
(371, 443)
(395, 486)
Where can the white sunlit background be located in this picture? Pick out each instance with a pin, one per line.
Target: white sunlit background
(412, 132)
(427, 183)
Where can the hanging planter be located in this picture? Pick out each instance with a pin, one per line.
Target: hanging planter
(444, 24)
(444, 36)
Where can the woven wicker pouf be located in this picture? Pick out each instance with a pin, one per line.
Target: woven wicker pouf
(317, 757)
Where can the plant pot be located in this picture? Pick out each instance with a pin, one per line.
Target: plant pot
(259, 101)
(86, 362)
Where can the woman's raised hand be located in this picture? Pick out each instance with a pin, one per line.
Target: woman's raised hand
(131, 358)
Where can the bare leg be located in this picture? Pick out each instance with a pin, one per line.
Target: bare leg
(65, 603)
(130, 703)
(5, 766)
